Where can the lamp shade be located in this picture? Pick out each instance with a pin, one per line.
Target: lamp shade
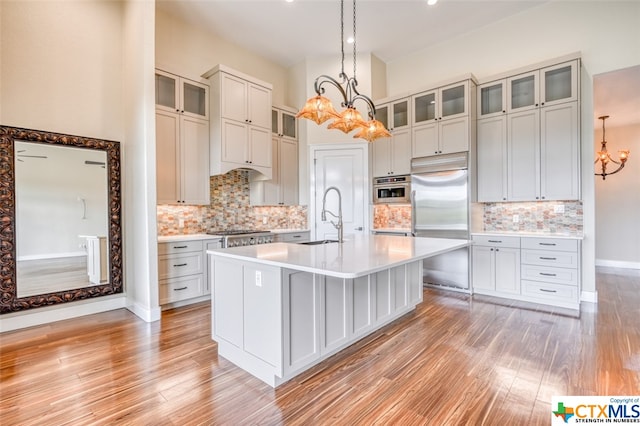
(347, 121)
(318, 109)
(373, 130)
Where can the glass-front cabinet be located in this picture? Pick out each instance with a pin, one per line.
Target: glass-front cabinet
(492, 99)
(544, 87)
(394, 115)
(441, 104)
(283, 123)
(181, 95)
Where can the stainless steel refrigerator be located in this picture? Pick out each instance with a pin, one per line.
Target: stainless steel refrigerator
(440, 208)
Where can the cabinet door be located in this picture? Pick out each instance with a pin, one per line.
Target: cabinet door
(523, 150)
(194, 155)
(167, 157)
(289, 126)
(335, 318)
(559, 83)
(483, 268)
(382, 115)
(167, 91)
(453, 101)
(507, 270)
(559, 152)
(400, 114)
(259, 146)
(492, 159)
(492, 99)
(271, 187)
(425, 140)
(234, 142)
(259, 106)
(233, 101)
(424, 107)
(453, 135)
(401, 152)
(288, 172)
(301, 301)
(522, 92)
(195, 99)
(381, 153)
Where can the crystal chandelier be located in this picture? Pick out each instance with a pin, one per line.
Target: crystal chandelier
(320, 109)
(604, 157)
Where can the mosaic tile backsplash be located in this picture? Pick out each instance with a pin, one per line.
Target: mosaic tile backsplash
(534, 217)
(230, 209)
(391, 216)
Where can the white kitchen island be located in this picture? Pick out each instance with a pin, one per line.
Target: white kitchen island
(278, 309)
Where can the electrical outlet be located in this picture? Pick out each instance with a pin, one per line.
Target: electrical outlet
(516, 218)
(259, 278)
(558, 208)
(264, 220)
(180, 223)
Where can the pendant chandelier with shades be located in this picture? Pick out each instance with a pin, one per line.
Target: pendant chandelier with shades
(605, 158)
(320, 109)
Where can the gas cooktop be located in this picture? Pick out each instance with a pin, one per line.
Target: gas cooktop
(236, 232)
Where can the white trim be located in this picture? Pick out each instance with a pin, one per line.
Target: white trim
(618, 264)
(47, 314)
(147, 315)
(52, 255)
(589, 296)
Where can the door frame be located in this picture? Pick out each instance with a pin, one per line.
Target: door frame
(367, 208)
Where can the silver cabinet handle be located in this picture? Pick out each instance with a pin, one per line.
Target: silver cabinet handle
(547, 274)
(547, 244)
(179, 264)
(495, 241)
(547, 258)
(548, 291)
(181, 288)
(179, 247)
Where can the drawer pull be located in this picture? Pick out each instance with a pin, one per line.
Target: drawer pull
(547, 258)
(181, 288)
(297, 236)
(546, 274)
(179, 264)
(179, 247)
(548, 291)
(547, 244)
(495, 241)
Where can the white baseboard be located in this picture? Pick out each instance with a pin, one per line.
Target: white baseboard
(147, 315)
(589, 296)
(47, 314)
(618, 264)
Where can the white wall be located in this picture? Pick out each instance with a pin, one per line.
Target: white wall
(606, 33)
(618, 200)
(189, 51)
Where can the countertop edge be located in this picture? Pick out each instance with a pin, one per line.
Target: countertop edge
(528, 235)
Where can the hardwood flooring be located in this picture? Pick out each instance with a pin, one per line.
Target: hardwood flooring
(44, 276)
(455, 361)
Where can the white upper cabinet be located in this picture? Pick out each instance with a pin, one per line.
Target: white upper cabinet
(442, 119)
(492, 99)
(392, 156)
(544, 87)
(283, 123)
(181, 95)
(240, 122)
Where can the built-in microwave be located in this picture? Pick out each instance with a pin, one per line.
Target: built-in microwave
(393, 189)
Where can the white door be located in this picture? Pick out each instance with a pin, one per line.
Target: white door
(346, 170)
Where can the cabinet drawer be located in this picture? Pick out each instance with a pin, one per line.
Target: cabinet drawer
(179, 265)
(558, 244)
(179, 247)
(496, 241)
(177, 289)
(550, 275)
(550, 292)
(562, 259)
(294, 237)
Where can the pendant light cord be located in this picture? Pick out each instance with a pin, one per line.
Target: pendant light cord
(354, 41)
(342, 74)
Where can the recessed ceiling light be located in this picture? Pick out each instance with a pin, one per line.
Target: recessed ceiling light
(350, 40)
(291, 1)
(429, 2)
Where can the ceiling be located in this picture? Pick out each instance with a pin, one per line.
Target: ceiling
(287, 32)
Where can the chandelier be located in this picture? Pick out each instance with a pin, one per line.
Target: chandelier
(604, 157)
(320, 109)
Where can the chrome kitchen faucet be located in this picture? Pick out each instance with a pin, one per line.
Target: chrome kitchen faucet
(323, 215)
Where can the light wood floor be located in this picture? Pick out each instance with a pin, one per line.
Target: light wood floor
(454, 361)
(44, 276)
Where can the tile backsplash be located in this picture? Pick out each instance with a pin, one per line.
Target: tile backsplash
(391, 216)
(535, 217)
(230, 209)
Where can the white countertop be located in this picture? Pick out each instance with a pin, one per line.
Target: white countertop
(360, 256)
(287, 231)
(393, 230)
(186, 237)
(531, 234)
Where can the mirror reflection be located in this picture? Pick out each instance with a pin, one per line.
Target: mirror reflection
(62, 222)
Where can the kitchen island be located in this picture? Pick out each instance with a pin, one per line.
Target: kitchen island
(278, 309)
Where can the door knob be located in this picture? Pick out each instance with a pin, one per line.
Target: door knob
(359, 228)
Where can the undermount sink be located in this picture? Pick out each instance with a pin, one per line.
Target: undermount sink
(315, 243)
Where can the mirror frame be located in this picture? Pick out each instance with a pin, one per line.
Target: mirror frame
(9, 302)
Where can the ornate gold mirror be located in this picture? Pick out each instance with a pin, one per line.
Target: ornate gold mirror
(60, 229)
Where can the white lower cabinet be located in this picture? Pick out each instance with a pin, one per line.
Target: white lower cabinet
(542, 270)
(291, 237)
(280, 322)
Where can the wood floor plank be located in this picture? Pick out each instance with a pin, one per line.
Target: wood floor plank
(456, 360)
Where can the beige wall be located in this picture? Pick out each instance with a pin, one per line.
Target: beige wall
(189, 51)
(618, 200)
